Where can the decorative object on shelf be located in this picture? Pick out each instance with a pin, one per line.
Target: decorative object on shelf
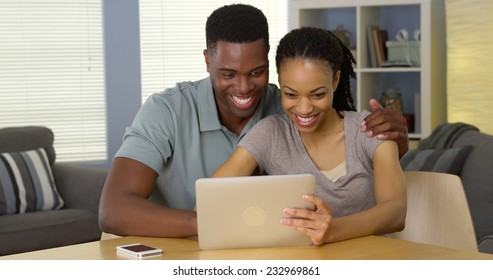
(343, 34)
(410, 122)
(404, 52)
(391, 99)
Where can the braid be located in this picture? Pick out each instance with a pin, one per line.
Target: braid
(319, 44)
(342, 95)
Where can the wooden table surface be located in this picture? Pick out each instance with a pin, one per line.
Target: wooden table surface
(365, 248)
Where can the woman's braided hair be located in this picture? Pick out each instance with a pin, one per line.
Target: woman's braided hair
(321, 45)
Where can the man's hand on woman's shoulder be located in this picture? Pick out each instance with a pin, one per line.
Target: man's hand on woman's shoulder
(387, 124)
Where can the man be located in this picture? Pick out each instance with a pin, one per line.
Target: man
(186, 132)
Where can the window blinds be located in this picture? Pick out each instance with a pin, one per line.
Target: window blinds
(51, 73)
(173, 38)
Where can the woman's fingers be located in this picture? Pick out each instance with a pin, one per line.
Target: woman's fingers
(313, 223)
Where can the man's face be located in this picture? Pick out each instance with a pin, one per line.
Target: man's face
(239, 74)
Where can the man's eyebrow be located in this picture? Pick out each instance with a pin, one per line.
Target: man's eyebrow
(233, 70)
(260, 67)
(226, 69)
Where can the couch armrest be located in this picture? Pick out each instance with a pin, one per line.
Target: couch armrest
(485, 245)
(79, 186)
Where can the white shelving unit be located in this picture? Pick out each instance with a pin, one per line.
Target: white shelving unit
(427, 80)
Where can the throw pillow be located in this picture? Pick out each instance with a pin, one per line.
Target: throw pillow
(26, 183)
(436, 160)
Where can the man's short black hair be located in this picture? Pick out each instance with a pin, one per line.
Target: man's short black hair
(236, 23)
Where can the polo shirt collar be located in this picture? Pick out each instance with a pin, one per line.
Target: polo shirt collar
(208, 116)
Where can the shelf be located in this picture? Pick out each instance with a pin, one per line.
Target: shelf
(389, 70)
(423, 87)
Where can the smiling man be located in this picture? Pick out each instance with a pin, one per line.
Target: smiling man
(239, 77)
(186, 132)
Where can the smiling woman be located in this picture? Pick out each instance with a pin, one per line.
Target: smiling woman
(359, 183)
(307, 92)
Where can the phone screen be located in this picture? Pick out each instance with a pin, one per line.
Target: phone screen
(138, 248)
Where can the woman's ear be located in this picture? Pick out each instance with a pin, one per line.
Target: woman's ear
(335, 80)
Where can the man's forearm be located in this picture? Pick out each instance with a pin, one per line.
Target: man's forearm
(149, 219)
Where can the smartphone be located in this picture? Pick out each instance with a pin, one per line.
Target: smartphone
(138, 250)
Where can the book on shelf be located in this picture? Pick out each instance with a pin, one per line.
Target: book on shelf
(371, 45)
(376, 45)
(384, 37)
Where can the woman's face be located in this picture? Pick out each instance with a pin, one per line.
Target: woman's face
(307, 88)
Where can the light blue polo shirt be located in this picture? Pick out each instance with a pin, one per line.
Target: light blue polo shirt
(178, 134)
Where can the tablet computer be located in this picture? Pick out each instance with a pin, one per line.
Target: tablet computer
(245, 212)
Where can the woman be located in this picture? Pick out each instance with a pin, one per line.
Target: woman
(360, 184)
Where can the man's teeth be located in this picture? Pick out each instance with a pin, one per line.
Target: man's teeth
(242, 101)
(305, 120)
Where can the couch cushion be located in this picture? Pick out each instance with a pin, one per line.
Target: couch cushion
(477, 178)
(485, 245)
(26, 183)
(47, 229)
(436, 160)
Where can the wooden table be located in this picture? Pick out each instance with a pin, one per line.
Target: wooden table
(365, 248)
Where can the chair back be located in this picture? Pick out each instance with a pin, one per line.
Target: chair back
(437, 211)
(106, 236)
